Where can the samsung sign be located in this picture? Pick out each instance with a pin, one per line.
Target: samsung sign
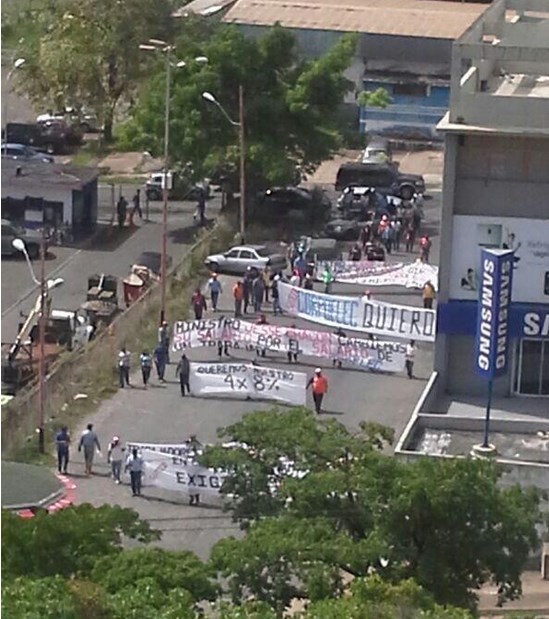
(492, 340)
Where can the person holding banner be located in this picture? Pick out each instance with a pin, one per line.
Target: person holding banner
(340, 333)
(328, 279)
(428, 295)
(319, 383)
(135, 465)
(238, 296)
(183, 371)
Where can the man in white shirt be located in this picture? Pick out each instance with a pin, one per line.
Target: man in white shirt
(115, 455)
(124, 358)
(410, 357)
(135, 465)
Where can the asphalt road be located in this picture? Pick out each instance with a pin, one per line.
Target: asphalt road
(113, 255)
(160, 414)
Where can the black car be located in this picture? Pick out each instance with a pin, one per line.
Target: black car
(386, 178)
(153, 261)
(282, 200)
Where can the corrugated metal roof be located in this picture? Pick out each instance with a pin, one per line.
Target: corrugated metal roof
(203, 7)
(413, 18)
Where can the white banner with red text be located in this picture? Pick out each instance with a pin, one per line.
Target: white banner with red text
(371, 273)
(245, 380)
(237, 334)
(359, 313)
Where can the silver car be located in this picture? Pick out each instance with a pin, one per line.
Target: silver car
(237, 259)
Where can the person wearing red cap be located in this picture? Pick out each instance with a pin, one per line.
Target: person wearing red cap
(114, 456)
(319, 383)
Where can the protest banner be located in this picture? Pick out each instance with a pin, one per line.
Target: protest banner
(367, 273)
(359, 313)
(244, 380)
(366, 354)
(176, 473)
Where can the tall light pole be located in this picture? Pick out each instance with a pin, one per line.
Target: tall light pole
(45, 287)
(157, 45)
(16, 65)
(208, 96)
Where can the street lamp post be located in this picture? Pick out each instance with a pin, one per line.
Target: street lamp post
(16, 65)
(45, 286)
(161, 46)
(208, 96)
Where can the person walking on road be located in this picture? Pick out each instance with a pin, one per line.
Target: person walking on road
(293, 347)
(275, 295)
(409, 357)
(328, 279)
(135, 465)
(319, 383)
(136, 205)
(88, 442)
(62, 443)
(337, 359)
(183, 371)
(425, 248)
(164, 338)
(115, 456)
(160, 360)
(261, 351)
(238, 295)
(214, 286)
(258, 293)
(145, 360)
(248, 285)
(121, 211)
(199, 304)
(428, 294)
(124, 361)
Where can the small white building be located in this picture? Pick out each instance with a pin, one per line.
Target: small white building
(54, 193)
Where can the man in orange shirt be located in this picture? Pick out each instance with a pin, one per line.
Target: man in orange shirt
(238, 294)
(320, 386)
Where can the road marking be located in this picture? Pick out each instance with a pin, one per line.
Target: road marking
(35, 288)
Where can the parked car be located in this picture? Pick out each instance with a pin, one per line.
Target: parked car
(386, 178)
(378, 150)
(279, 201)
(356, 201)
(28, 134)
(24, 153)
(343, 229)
(179, 187)
(11, 231)
(237, 259)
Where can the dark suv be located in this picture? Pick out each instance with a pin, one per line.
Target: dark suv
(279, 201)
(384, 177)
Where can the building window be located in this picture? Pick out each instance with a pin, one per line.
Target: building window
(532, 367)
(410, 90)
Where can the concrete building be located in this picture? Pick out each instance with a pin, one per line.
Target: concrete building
(57, 194)
(496, 194)
(404, 46)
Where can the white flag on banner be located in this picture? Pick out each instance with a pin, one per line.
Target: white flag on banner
(244, 380)
(359, 313)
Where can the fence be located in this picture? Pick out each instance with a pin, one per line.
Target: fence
(92, 370)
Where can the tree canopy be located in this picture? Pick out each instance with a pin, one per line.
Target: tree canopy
(85, 53)
(445, 523)
(290, 105)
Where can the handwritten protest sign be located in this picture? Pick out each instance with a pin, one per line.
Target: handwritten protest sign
(368, 273)
(244, 380)
(359, 313)
(367, 354)
(173, 472)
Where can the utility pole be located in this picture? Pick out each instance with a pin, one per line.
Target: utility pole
(163, 269)
(42, 340)
(242, 163)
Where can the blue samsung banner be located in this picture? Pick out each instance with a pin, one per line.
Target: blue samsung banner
(492, 339)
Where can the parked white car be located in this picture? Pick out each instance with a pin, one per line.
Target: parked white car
(237, 259)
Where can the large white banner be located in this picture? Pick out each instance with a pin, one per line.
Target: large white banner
(529, 238)
(244, 380)
(366, 354)
(359, 314)
(413, 275)
(179, 474)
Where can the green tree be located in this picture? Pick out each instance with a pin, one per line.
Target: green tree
(374, 98)
(290, 106)
(446, 523)
(87, 52)
(169, 570)
(69, 541)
